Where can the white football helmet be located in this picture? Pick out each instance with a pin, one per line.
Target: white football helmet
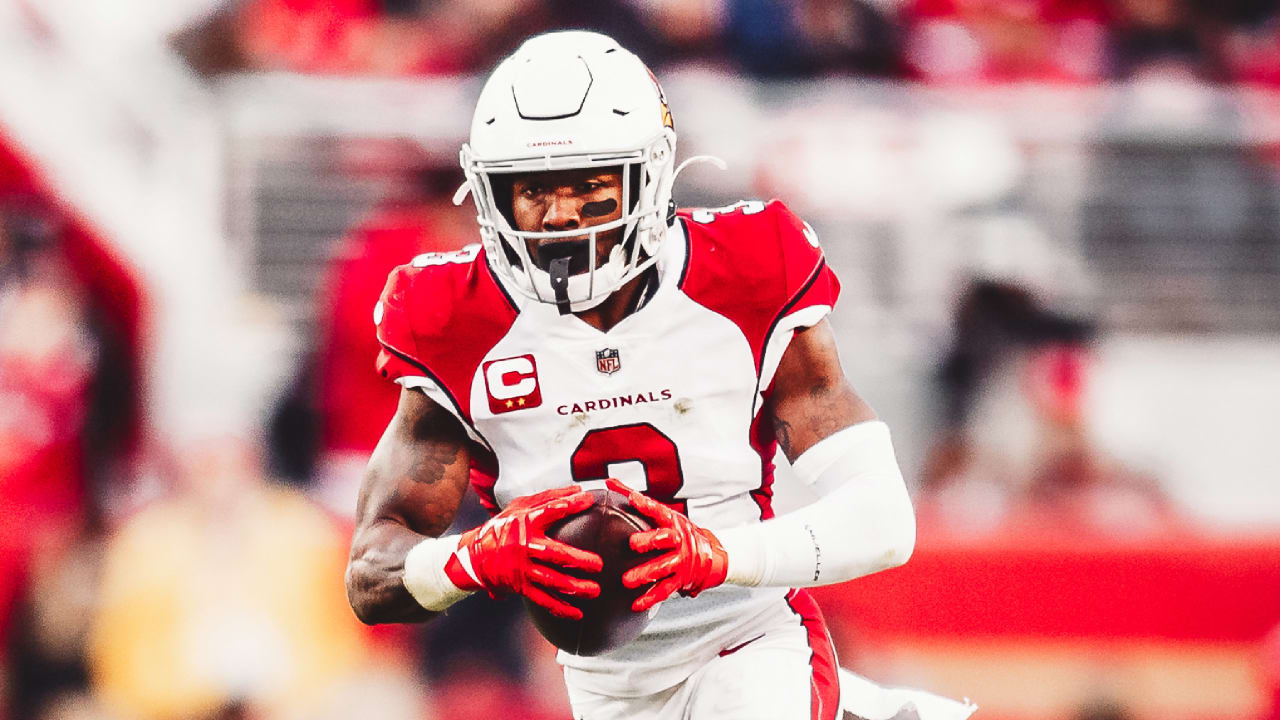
(568, 100)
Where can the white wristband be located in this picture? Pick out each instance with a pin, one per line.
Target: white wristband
(424, 575)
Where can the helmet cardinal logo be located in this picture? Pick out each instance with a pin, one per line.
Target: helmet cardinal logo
(662, 99)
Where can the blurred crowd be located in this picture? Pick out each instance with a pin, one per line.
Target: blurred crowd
(934, 41)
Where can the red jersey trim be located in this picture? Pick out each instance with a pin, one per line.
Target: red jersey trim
(456, 410)
(768, 335)
(484, 477)
(497, 282)
(688, 252)
(765, 442)
(763, 438)
(425, 372)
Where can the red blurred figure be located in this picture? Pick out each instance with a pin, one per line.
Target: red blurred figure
(70, 378)
(380, 37)
(354, 403)
(47, 364)
(996, 41)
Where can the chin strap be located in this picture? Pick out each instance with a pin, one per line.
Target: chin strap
(560, 283)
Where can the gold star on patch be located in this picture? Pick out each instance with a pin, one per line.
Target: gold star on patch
(520, 402)
(508, 403)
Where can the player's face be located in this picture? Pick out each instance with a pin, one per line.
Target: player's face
(568, 200)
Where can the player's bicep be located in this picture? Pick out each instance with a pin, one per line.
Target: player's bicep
(811, 397)
(418, 473)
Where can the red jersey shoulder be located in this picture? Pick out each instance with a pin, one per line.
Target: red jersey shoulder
(755, 262)
(762, 245)
(438, 316)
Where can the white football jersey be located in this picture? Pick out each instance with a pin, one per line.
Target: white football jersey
(669, 401)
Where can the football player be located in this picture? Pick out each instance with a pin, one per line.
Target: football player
(596, 332)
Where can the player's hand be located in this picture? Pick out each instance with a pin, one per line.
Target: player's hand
(694, 559)
(511, 553)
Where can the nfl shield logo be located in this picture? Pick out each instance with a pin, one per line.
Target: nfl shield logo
(607, 361)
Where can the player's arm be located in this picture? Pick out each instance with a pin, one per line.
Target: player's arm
(862, 523)
(411, 490)
(402, 570)
(811, 398)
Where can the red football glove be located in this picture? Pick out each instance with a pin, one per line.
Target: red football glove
(511, 553)
(695, 561)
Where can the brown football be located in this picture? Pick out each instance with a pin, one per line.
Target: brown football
(607, 620)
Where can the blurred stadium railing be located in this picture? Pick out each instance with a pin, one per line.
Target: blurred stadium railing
(1158, 207)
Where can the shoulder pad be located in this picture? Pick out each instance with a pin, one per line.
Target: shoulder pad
(437, 318)
(756, 263)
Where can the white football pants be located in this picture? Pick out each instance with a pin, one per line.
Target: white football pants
(787, 673)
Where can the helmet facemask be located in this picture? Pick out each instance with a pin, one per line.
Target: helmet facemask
(568, 272)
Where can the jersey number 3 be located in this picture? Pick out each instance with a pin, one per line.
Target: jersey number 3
(642, 443)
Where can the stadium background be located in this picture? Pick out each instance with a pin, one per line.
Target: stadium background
(1058, 227)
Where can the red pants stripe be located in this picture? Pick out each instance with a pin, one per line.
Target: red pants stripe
(825, 693)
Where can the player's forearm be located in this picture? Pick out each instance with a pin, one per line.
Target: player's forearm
(813, 547)
(375, 575)
(862, 523)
